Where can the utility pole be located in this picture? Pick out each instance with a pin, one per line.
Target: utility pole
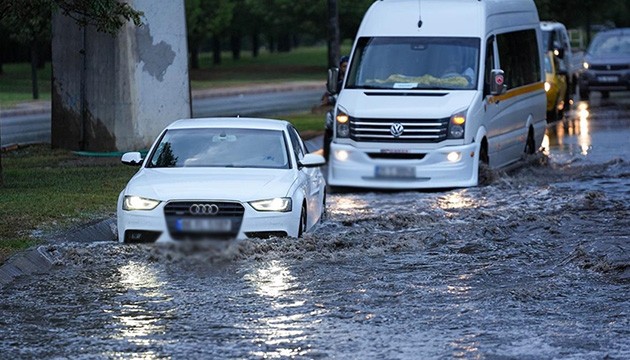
(333, 34)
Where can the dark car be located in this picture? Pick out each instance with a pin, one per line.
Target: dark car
(607, 63)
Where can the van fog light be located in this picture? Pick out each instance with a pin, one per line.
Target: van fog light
(454, 156)
(341, 155)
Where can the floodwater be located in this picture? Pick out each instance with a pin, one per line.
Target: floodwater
(533, 266)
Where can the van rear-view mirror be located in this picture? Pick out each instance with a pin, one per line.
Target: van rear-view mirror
(332, 84)
(497, 84)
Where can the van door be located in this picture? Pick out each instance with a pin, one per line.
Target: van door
(516, 53)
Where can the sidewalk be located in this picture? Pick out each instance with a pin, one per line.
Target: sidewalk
(42, 106)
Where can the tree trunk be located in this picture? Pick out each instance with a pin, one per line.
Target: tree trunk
(34, 70)
(284, 42)
(216, 50)
(255, 44)
(334, 50)
(272, 43)
(235, 44)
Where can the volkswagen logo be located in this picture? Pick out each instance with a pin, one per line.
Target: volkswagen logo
(397, 129)
(204, 209)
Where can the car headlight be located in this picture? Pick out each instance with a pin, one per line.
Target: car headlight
(139, 203)
(276, 204)
(547, 86)
(585, 65)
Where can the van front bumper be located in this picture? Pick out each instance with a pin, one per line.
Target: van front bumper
(434, 170)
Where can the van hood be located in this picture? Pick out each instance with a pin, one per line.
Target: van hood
(210, 183)
(404, 104)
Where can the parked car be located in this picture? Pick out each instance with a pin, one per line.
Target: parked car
(606, 63)
(556, 39)
(556, 87)
(222, 178)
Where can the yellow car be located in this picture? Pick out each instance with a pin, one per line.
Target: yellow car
(555, 87)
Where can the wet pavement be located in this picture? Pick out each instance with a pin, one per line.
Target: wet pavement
(533, 266)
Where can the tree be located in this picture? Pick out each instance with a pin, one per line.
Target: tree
(106, 15)
(207, 19)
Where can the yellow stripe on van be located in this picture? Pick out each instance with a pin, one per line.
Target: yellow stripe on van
(539, 86)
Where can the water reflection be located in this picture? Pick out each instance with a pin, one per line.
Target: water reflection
(282, 334)
(457, 200)
(350, 205)
(571, 135)
(138, 322)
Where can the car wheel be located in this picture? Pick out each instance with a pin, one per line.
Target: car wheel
(324, 210)
(302, 227)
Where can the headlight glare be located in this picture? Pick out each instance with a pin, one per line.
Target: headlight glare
(276, 204)
(585, 65)
(139, 203)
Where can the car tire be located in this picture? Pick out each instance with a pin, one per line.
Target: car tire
(552, 116)
(324, 210)
(302, 227)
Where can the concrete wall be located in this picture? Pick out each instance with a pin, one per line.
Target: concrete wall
(116, 93)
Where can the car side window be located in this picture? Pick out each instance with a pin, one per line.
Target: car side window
(298, 146)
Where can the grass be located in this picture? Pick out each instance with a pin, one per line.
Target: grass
(16, 86)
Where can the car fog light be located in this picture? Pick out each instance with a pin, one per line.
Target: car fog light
(454, 156)
(341, 155)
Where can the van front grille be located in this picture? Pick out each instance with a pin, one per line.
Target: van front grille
(409, 130)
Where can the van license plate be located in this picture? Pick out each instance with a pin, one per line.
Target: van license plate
(405, 172)
(607, 79)
(204, 225)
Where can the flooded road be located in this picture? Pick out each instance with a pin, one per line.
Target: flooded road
(533, 266)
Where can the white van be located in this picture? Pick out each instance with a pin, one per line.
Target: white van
(434, 88)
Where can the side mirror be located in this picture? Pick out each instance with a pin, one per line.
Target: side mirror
(132, 159)
(497, 82)
(312, 160)
(331, 83)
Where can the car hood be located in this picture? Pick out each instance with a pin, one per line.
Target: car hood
(607, 59)
(405, 104)
(210, 183)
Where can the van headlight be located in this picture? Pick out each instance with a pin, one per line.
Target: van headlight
(456, 125)
(342, 121)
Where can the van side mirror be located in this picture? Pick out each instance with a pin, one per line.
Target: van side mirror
(497, 82)
(331, 83)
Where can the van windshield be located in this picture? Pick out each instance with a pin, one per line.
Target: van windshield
(440, 63)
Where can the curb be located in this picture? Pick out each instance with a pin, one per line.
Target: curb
(36, 261)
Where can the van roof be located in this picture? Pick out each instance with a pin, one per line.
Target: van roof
(445, 17)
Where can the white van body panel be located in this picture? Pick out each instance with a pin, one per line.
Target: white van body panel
(503, 121)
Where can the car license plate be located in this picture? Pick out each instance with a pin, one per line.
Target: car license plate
(405, 172)
(608, 79)
(204, 225)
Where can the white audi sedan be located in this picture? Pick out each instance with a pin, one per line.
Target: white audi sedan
(222, 178)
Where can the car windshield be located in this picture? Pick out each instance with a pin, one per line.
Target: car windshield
(612, 44)
(221, 147)
(414, 63)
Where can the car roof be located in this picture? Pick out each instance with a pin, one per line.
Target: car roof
(617, 31)
(230, 122)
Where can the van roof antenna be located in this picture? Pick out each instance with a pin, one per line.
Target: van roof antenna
(419, 14)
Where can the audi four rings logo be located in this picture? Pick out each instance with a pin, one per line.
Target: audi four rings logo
(204, 209)
(397, 129)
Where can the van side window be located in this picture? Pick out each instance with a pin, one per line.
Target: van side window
(519, 58)
(489, 66)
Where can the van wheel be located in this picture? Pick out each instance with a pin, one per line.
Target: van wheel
(484, 174)
(530, 145)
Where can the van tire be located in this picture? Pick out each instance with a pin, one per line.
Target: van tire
(530, 144)
(484, 173)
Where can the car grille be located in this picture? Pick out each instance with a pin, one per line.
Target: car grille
(175, 212)
(610, 67)
(415, 130)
